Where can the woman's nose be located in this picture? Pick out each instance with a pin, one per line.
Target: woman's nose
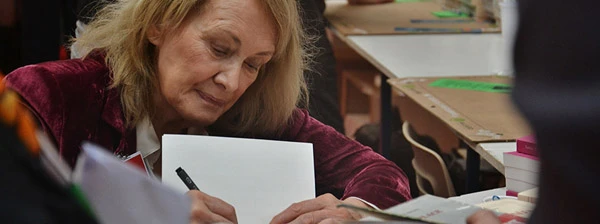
(229, 77)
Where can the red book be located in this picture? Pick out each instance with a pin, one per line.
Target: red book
(527, 145)
(136, 160)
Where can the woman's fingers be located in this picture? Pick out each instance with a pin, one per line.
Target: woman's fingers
(483, 217)
(222, 208)
(322, 216)
(297, 209)
(208, 209)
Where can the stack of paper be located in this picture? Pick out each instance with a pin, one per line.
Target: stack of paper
(521, 168)
(521, 172)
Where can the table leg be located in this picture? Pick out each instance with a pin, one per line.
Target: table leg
(473, 162)
(386, 117)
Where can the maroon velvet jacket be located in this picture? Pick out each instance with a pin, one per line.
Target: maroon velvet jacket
(73, 103)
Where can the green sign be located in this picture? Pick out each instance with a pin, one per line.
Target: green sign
(472, 85)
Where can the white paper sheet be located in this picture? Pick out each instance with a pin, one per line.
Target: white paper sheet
(260, 178)
(121, 193)
(57, 168)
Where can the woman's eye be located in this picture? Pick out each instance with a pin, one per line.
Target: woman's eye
(252, 66)
(220, 51)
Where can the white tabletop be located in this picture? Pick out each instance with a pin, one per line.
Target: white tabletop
(493, 152)
(399, 56)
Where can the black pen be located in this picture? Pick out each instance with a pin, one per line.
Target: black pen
(186, 179)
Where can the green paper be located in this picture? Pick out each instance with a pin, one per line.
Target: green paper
(80, 197)
(472, 85)
(458, 119)
(449, 14)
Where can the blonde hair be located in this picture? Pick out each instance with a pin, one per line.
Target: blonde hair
(120, 30)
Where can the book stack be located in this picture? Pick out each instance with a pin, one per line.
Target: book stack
(521, 168)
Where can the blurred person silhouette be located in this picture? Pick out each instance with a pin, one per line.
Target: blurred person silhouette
(557, 88)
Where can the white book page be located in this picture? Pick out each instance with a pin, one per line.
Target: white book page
(434, 209)
(121, 193)
(260, 178)
(56, 167)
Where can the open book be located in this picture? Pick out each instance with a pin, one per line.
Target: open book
(430, 209)
(115, 191)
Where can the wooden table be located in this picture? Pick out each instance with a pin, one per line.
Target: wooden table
(493, 152)
(404, 54)
(476, 117)
(370, 31)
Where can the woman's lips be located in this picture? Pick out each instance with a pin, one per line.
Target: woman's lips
(210, 99)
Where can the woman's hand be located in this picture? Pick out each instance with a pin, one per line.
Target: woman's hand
(208, 209)
(365, 2)
(322, 209)
(483, 217)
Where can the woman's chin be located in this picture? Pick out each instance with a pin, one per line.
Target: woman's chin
(203, 120)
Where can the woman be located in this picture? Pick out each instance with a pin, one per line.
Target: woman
(231, 68)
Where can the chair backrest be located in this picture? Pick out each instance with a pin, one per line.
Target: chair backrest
(429, 166)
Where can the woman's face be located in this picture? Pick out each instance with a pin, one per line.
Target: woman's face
(205, 68)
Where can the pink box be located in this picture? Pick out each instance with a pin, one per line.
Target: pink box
(527, 145)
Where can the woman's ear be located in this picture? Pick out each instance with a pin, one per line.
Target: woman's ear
(154, 35)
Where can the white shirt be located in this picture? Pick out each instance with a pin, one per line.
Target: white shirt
(147, 142)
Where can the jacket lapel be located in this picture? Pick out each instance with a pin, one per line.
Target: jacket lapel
(112, 114)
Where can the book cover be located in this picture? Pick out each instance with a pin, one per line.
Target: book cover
(527, 145)
(138, 161)
(521, 161)
(521, 175)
